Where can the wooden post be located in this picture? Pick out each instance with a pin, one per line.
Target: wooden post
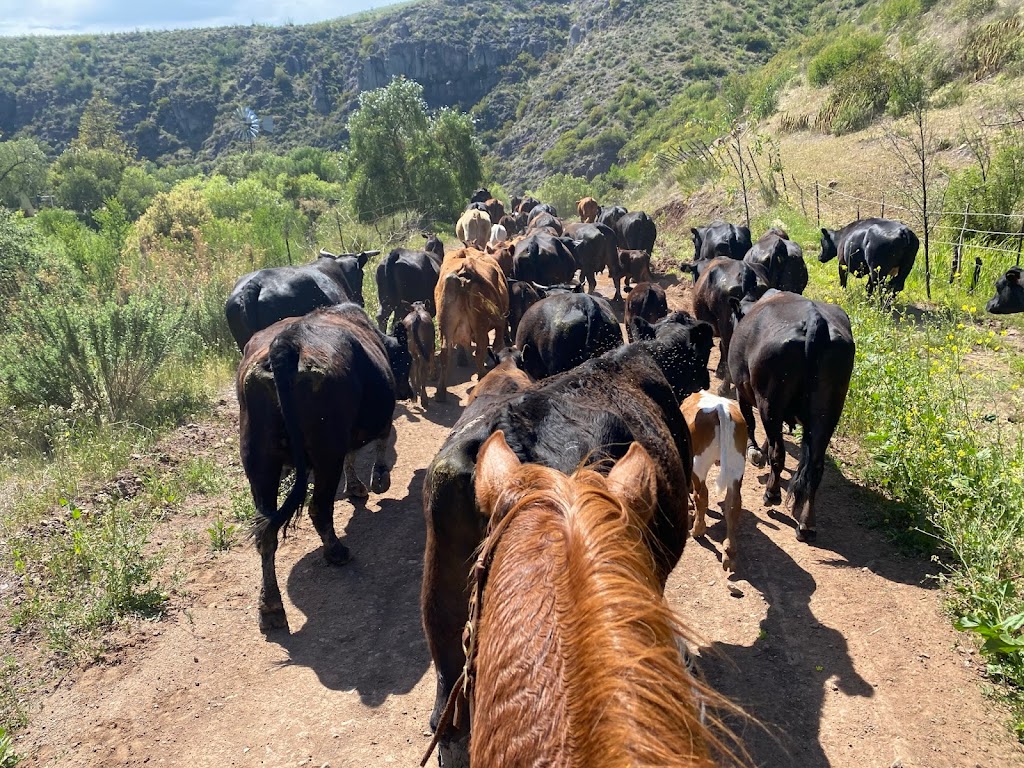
(858, 213)
(976, 275)
(959, 248)
(1020, 237)
(882, 214)
(803, 207)
(817, 204)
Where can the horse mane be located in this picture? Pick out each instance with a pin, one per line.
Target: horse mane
(577, 653)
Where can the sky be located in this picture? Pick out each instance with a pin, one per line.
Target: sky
(48, 17)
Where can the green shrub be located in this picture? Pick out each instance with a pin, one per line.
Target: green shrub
(893, 13)
(839, 57)
(971, 9)
(858, 96)
(99, 356)
(19, 260)
(562, 191)
(992, 198)
(988, 49)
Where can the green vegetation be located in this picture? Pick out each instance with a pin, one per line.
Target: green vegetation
(850, 49)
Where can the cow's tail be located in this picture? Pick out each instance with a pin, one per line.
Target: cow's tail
(284, 362)
(808, 475)
(731, 462)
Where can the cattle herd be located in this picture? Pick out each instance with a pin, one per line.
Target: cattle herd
(565, 395)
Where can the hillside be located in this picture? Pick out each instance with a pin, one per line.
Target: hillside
(554, 86)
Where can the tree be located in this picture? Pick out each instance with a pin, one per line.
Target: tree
(22, 172)
(401, 158)
(97, 129)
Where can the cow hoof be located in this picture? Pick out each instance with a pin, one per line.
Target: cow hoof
(806, 534)
(273, 618)
(441, 396)
(336, 554)
(728, 564)
(698, 530)
(755, 456)
(772, 497)
(356, 490)
(380, 480)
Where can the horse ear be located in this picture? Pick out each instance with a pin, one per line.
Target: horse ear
(634, 481)
(495, 464)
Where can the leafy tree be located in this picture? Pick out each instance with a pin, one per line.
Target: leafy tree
(400, 158)
(97, 129)
(22, 171)
(82, 178)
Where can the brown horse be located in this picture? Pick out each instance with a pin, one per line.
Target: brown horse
(574, 660)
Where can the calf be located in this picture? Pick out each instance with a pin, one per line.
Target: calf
(420, 332)
(719, 436)
(560, 332)
(882, 249)
(505, 378)
(632, 265)
(1009, 297)
(311, 391)
(646, 300)
(793, 359)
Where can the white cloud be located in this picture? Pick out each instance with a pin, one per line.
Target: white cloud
(44, 17)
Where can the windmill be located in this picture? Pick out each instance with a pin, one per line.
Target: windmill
(248, 126)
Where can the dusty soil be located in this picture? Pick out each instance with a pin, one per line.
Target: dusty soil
(840, 649)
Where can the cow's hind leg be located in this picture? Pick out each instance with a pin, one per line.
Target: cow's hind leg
(754, 454)
(321, 510)
(776, 450)
(353, 485)
(265, 488)
(733, 506)
(700, 505)
(442, 377)
(380, 477)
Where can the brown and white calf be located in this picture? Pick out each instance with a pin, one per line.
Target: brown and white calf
(419, 328)
(719, 436)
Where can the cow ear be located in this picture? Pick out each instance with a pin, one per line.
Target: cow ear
(425, 235)
(696, 233)
(642, 330)
(495, 466)
(634, 480)
(826, 234)
(1013, 275)
(737, 307)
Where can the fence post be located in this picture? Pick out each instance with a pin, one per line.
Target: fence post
(976, 275)
(958, 248)
(337, 220)
(882, 214)
(1020, 237)
(817, 203)
(858, 213)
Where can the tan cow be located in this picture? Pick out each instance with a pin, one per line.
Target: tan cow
(472, 300)
(719, 436)
(588, 210)
(474, 228)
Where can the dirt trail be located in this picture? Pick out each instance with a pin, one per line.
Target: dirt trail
(841, 648)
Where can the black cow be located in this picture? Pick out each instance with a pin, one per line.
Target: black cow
(434, 245)
(719, 239)
(631, 265)
(1009, 296)
(526, 205)
(511, 225)
(261, 298)
(882, 249)
(647, 301)
(311, 391)
(538, 210)
(610, 216)
(543, 258)
(781, 259)
(522, 295)
(636, 231)
(793, 359)
(559, 332)
(481, 195)
(595, 249)
(589, 415)
(724, 282)
(404, 277)
(545, 221)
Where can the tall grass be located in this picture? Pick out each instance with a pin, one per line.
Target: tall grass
(930, 407)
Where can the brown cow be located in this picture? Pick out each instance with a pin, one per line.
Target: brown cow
(588, 209)
(632, 265)
(719, 436)
(646, 300)
(419, 328)
(505, 378)
(495, 209)
(502, 253)
(472, 300)
(474, 228)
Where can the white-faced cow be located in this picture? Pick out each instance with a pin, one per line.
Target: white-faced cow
(882, 249)
(259, 299)
(1009, 297)
(792, 358)
(311, 391)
